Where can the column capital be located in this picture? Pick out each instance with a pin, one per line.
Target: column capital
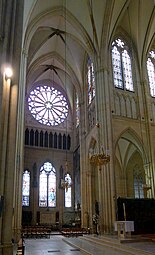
(102, 70)
(25, 52)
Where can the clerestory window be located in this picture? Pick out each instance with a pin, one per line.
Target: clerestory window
(151, 72)
(90, 80)
(122, 67)
(77, 111)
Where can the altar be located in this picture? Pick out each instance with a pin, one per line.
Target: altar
(124, 228)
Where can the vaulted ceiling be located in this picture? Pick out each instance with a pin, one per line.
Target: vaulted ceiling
(59, 33)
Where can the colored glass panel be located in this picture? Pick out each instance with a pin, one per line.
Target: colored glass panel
(52, 190)
(121, 63)
(127, 71)
(48, 105)
(138, 187)
(151, 72)
(47, 186)
(43, 189)
(90, 80)
(26, 189)
(117, 71)
(77, 111)
(68, 191)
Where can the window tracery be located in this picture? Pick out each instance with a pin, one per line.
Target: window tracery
(122, 67)
(47, 186)
(48, 105)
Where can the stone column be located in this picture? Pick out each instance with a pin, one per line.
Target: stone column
(8, 162)
(10, 45)
(19, 165)
(90, 191)
(6, 98)
(83, 168)
(105, 140)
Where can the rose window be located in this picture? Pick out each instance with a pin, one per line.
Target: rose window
(48, 105)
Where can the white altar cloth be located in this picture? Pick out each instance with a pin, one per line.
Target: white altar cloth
(124, 228)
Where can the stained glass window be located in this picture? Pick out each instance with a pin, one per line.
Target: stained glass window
(26, 189)
(151, 72)
(138, 186)
(90, 80)
(47, 186)
(48, 105)
(121, 62)
(77, 111)
(68, 191)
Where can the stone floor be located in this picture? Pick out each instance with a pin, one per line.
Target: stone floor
(54, 245)
(88, 245)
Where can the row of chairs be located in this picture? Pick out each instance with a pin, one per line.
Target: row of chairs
(36, 232)
(74, 232)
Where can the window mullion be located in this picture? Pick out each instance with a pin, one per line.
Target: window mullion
(47, 188)
(122, 71)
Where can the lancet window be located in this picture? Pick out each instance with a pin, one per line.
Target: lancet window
(68, 191)
(138, 184)
(151, 72)
(90, 80)
(26, 188)
(122, 66)
(47, 185)
(77, 111)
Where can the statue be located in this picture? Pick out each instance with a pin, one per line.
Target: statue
(96, 207)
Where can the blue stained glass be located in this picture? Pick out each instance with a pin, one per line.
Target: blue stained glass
(52, 190)
(43, 189)
(47, 186)
(117, 72)
(138, 187)
(26, 189)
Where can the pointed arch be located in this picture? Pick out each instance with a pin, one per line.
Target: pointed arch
(130, 141)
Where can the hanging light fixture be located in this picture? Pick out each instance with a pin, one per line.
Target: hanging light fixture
(66, 183)
(100, 158)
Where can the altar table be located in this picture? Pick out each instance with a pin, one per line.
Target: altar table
(124, 228)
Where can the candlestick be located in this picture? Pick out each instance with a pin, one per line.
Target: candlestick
(124, 211)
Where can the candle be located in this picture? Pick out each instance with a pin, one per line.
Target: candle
(124, 211)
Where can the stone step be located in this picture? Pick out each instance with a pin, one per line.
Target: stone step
(92, 245)
(119, 244)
